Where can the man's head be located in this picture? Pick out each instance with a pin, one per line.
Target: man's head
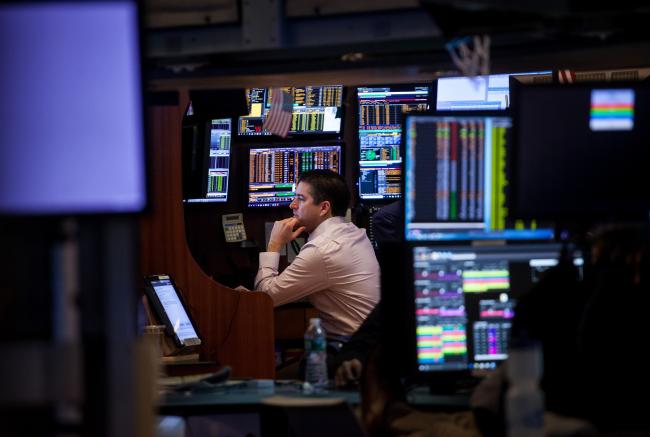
(624, 247)
(320, 194)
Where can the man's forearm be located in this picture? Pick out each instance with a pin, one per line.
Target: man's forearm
(273, 246)
(268, 267)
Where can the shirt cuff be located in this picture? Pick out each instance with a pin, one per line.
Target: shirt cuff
(269, 259)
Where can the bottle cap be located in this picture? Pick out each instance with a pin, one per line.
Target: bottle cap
(314, 321)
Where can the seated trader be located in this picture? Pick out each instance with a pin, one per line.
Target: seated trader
(336, 269)
(349, 363)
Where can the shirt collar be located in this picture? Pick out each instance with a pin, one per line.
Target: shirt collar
(324, 226)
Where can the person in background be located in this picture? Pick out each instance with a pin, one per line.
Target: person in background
(591, 331)
(613, 333)
(336, 269)
(349, 363)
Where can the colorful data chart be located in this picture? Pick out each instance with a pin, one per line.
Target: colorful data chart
(612, 110)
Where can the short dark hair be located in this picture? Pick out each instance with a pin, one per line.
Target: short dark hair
(328, 185)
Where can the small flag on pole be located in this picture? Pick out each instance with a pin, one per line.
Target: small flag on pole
(278, 120)
(566, 76)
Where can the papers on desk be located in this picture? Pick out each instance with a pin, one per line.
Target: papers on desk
(295, 401)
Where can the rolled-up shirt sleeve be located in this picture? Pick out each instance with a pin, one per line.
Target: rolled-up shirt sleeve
(304, 276)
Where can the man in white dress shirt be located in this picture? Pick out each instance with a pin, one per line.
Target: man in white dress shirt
(336, 269)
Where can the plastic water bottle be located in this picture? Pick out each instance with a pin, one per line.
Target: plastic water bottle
(316, 354)
(524, 398)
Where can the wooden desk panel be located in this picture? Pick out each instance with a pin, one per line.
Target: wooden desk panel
(291, 321)
(237, 327)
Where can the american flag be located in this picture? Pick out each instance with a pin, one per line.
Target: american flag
(278, 120)
(566, 76)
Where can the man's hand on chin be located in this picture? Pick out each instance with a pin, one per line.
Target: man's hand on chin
(283, 232)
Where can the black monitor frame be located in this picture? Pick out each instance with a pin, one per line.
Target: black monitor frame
(583, 217)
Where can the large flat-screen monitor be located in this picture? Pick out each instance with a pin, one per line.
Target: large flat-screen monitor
(71, 112)
(273, 171)
(213, 168)
(317, 110)
(581, 152)
(463, 301)
(380, 134)
(481, 92)
(456, 178)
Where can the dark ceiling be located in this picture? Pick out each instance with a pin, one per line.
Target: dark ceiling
(271, 37)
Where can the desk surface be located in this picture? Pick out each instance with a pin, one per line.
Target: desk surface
(249, 395)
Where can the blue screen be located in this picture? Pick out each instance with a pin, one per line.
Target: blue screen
(71, 111)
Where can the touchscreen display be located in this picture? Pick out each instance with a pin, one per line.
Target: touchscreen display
(174, 309)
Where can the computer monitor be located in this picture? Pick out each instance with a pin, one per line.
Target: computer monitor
(463, 301)
(170, 309)
(580, 152)
(73, 137)
(273, 171)
(215, 173)
(317, 110)
(456, 178)
(380, 134)
(481, 92)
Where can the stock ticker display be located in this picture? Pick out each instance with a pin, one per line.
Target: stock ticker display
(273, 172)
(219, 166)
(315, 110)
(380, 133)
(456, 178)
(465, 299)
(215, 174)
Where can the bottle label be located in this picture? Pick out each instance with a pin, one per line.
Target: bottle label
(315, 345)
